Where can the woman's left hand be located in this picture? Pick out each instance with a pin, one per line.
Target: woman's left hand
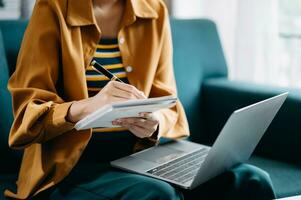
(142, 127)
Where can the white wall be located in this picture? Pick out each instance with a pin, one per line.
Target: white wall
(15, 9)
(11, 9)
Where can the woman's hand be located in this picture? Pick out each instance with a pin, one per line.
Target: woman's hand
(142, 127)
(113, 92)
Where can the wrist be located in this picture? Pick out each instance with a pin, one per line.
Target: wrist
(78, 110)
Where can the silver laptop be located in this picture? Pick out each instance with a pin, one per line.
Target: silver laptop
(187, 164)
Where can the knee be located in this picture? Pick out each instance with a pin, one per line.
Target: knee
(156, 189)
(249, 174)
(252, 180)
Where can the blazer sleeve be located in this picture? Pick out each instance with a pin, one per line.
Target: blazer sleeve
(173, 122)
(39, 113)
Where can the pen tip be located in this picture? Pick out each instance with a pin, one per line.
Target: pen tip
(93, 62)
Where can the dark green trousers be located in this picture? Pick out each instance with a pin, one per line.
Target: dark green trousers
(93, 178)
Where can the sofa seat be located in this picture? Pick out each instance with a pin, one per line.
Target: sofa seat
(286, 177)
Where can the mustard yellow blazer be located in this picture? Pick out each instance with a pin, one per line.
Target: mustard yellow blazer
(58, 45)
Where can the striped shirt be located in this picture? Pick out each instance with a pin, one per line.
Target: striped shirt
(108, 55)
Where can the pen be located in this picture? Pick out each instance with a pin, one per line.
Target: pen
(102, 70)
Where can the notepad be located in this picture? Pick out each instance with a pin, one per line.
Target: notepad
(103, 117)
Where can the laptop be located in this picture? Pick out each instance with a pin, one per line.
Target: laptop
(187, 164)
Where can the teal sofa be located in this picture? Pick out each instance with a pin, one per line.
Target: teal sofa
(209, 97)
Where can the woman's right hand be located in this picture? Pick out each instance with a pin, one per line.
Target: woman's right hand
(113, 92)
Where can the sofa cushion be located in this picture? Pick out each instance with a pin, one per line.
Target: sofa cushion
(195, 43)
(12, 32)
(285, 177)
(11, 157)
(281, 140)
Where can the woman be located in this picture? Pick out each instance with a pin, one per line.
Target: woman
(53, 87)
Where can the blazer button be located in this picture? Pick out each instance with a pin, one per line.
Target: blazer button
(128, 69)
(121, 40)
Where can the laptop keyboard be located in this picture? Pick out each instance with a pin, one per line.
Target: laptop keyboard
(182, 169)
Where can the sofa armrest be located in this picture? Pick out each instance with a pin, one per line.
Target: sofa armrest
(282, 141)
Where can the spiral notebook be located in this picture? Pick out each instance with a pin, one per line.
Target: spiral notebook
(103, 117)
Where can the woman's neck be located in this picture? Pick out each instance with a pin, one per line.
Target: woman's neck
(108, 15)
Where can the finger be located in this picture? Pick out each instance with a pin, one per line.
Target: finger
(140, 121)
(116, 99)
(150, 116)
(134, 129)
(150, 126)
(132, 120)
(122, 94)
(146, 114)
(129, 88)
(142, 95)
(139, 131)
